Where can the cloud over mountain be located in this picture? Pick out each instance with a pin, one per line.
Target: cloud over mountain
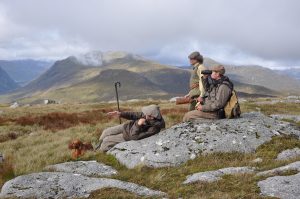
(232, 31)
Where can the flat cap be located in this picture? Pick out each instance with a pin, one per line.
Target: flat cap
(219, 68)
(196, 55)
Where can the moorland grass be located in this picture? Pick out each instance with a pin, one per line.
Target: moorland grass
(44, 138)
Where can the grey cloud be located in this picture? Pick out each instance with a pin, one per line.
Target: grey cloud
(252, 31)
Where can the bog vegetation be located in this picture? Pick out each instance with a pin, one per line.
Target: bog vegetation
(34, 137)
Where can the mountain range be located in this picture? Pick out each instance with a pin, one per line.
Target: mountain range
(91, 78)
(24, 71)
(6, 82)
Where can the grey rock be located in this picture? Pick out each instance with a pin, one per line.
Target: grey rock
(211, 176)
(289, 167)
(185, 141)
(15, 105)
(289, 154)
(66, 185)
(295, 118)
(87, 168)
(284, 187)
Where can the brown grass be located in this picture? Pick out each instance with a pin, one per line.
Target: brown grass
(6, 170)
(59, 120)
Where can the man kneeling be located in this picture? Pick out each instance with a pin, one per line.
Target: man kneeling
(216, 99)
(141, 125)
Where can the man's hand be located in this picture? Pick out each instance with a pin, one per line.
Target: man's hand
(114, 114)
(187, 96)
(200, 99)
(199, 107)
(141, 121)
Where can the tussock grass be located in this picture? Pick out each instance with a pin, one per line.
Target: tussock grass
(42, 134)
(6, 170)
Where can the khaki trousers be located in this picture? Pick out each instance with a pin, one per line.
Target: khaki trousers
(192, 106)
(192, 115)
(111, 136)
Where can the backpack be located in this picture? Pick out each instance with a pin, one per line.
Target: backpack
(232, 108)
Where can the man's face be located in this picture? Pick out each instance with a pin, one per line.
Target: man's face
(149, 117)
(193, 61)
(215, 75)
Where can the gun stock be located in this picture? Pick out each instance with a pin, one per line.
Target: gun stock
(183, 100)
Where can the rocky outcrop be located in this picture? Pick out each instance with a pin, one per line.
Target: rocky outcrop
(66, 185)
(186, 141)
(211, 176)
(289, 154)
(295, 118)
(87, 168)
(284, 187)
(289, 167)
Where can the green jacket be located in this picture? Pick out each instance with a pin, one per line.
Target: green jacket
(218, 95)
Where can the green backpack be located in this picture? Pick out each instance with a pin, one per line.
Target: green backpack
(232, 108)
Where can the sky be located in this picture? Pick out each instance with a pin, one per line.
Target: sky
(240, 32)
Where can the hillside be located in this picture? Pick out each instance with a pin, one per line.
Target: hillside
(24, 71)
(91, 77)
(101, 88)
(6, 83)
(291, 72)
(258, 75)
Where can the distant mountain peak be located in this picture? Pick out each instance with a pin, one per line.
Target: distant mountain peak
(98, 58)
(93, 58)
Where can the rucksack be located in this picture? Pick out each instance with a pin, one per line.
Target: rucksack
(232, 108)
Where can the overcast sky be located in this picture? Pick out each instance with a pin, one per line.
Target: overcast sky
(262, 32)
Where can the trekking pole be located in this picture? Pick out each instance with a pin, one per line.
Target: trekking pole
(118, 84)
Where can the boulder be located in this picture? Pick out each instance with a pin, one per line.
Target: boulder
(211, 176)
(87, 168)
(289, 167)
(66, 185)
(289, 154)
(186, 141)
(284, 187)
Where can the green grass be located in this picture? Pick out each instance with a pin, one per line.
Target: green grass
(35, 147)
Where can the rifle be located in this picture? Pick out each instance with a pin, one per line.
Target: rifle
(183, 100)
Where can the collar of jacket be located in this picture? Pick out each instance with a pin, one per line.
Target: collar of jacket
(196, 65)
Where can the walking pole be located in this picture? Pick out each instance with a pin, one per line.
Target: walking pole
(118, 84)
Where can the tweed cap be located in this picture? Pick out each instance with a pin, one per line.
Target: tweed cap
(152, 110)
(219, 68)
(196, 55)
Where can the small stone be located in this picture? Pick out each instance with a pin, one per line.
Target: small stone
(193, 156)
(257, 160)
